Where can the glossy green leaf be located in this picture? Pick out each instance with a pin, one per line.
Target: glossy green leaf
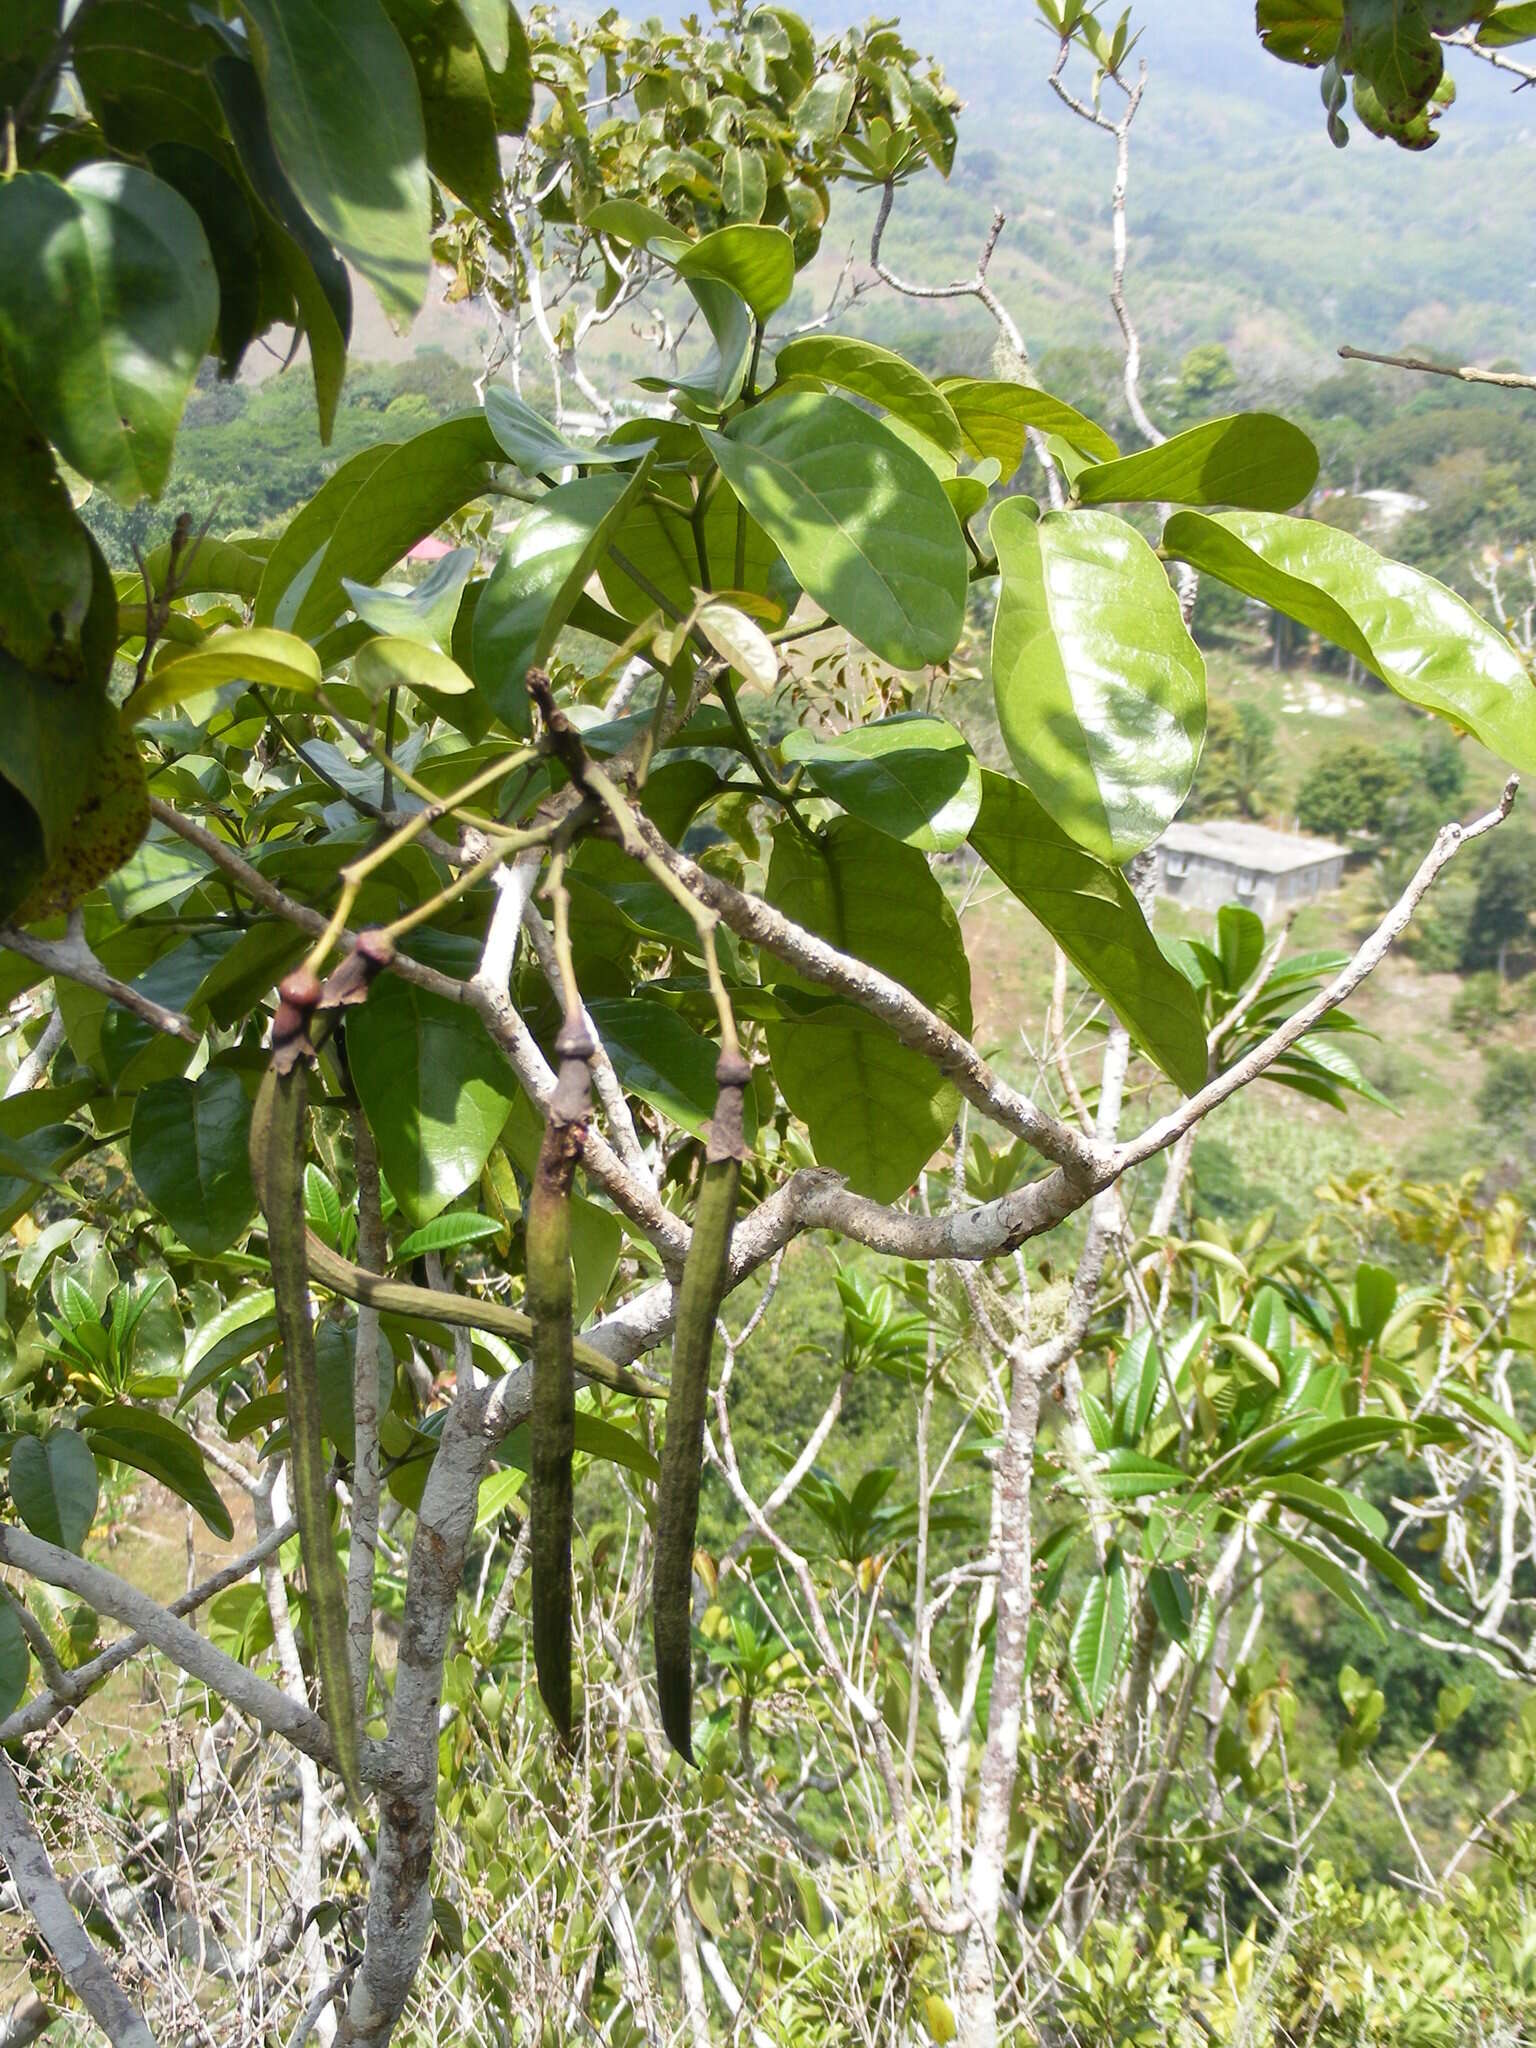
(139, 1437)
(108, 303)
(657, 539)
(426, 611)
(53, 1486)
(434, 1089)
(59, 737)
(544, 568)
(292, 245)
(1100, 690)
(912, 776)
(1098, 1634)
(347, 127)
(457, 110)
(878, 374)
(393, 662)
(1255, 459)
(251, 654)
(387, 504)
(717, 382)
(995, 417)
(1138, 1374)
(1127, 1475)
(861, 520)
(757, 263)
(446, 1233)
(529, 440)
(1512, 24)
(596, 1437)
(876, 1111)
(189, 1142)
(238, 1329)
(660, 1058)
(1424, 641)
(1091, 911)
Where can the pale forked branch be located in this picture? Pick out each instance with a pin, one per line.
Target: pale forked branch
(248, 1693)
(71, 1947)
(1468, 373)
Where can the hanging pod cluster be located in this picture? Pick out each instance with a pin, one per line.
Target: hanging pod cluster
(698, 1305)
(279, 1146)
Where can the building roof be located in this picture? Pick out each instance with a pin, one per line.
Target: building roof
(1255, 847)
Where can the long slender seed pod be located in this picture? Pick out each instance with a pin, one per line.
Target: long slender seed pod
(552, 1428)
(278, 1143)
(329, 1269)
(677, 1497)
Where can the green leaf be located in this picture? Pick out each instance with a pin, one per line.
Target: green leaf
(368, 515)
(860, 518)
(912, 777)
(1301, 31)
(434, 1089)
(57, 735)
(1128, 1474)
(46, 572)
(657, 538)
(53, 1486)
(15, 1659)
(717, 383)
(1489, 1413)
(293, 246)
(1098, 1634)
(189, 1141)
(251, 654)
(1513, 24)
(660, 1058)
(445, 1234)
(1090, 910)
(757, 263)
(1316, 1497)
(876, 1111)
(244, 1326)
(995, 417)
(596, 1437)
(1138, 1374)
(544, 568)
(1255, 459)
(392, 662)
(1100, 690)
(1330, 1573)
(878, 374)
(740, 641)
(463, 148)
(138, 1437)
(1424, 641)
(108, 303)
(426, 612)
(534, 445)
(347, 127)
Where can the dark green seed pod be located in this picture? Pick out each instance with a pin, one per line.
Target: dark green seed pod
(279, 1127)
(682, 1458)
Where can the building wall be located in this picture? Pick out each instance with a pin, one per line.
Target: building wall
(1206, 884)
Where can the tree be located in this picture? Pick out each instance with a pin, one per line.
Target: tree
(362, 929)
(1349, 794)
(1239, 762)
(1500, 916)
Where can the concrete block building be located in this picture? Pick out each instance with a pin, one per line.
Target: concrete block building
(1228, 860)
